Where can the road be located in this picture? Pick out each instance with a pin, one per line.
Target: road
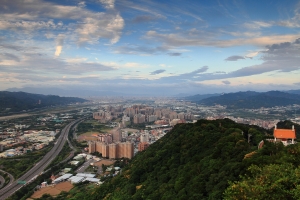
(84, 166)
(2, 181)
(11, 177)
(38, 169)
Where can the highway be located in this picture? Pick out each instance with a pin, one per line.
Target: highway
(3, 180)
(38, 169)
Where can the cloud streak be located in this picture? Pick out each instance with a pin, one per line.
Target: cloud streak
(178, 40)
(159, 71)
(234, 58)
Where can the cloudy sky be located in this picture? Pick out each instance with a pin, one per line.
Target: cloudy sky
(149, 47)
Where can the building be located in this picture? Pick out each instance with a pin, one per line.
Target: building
(113, 150)
(126, 150)
(105, 151)
(139, 119)
(106, 138)
(126, 120)
(144, 137)
(143, 145)
(151, 118)
(117, 135)
(103, 116)
(286, 136)
(92, 147)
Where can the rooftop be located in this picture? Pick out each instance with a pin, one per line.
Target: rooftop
(285, 133)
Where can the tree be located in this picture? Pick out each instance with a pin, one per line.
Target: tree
(269, 182)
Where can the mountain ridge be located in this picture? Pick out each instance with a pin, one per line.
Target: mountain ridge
(19, 101)
(252, 100)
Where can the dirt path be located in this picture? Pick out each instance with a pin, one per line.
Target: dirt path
(53, 190)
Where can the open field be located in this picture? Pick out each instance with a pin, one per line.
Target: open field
(92, 126)
(104, 162)
(88, 136)
(14, 116)
(130, 130)
(53, 190)
(46, 111)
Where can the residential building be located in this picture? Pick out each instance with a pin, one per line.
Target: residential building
(143, 145)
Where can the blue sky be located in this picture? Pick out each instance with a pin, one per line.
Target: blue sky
(149, 47)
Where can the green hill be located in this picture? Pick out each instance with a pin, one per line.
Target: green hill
(206, 160)
(19, 101)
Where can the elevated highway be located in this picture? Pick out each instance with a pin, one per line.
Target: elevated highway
(38, 168)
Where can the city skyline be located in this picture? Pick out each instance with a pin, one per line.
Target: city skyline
(154, 47)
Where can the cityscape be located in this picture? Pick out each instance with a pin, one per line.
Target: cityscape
(149, 99)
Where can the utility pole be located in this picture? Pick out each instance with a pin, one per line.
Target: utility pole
(249, 135)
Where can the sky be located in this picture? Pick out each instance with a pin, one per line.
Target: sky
(149, 47)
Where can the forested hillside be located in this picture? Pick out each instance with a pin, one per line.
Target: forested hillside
(18, 101)
(252, 100)
(207, 160)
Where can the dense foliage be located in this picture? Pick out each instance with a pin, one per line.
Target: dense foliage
(193, 161)
(18, 101)
(208, 160)
(274, 174)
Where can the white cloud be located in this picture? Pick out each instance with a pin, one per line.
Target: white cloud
(76, 60)
(59, 44)
(109, 4)
(258, 24)
(252, 54)
(104, 25)
(88, 25)
(132, 64)
(81, 4)
(58, 50)
(178, 40)
(28, 25)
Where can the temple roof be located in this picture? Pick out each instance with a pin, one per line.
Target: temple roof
(285, 133)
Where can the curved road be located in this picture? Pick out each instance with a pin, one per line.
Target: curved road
(11, 177)
(2, 181)
(40, 166)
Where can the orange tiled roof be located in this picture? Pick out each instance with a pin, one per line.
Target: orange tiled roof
(285, 133)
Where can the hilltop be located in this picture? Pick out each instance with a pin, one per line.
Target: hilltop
(205, 160)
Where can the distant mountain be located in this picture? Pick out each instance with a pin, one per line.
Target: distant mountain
(19, 101)
(293, 91)
(199, 97)
(78, 92)
(85, 92)
(253, 100)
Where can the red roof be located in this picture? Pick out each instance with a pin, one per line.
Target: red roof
(285, 133)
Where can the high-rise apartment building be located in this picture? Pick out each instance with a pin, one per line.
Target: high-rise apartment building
(143, 145)
(117, 135)
(113, 151)
(144, 137)
(138, 119)
(92, 146)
